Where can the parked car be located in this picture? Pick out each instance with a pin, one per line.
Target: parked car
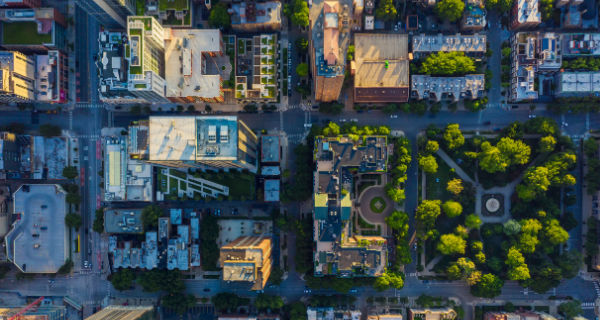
(51, 280)
(486, 123)
(206, 290)
(394, 116)
(353, 120)
(565, 124)
(353, 290)
(531, 116)
(307, 290)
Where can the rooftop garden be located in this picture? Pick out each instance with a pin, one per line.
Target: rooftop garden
(267, 40)
(267, 70)
(241, 46)
(239, 87)
(23, 32)
(269, 92)
(140, 6)
(267, 50)
(177, 5)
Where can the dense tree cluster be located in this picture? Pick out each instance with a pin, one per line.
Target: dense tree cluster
(400, 162)
(398, 222)
(386, 10)
(447, 64)
(208, 245)
(449, 9)
(590, 64)
(301, 190)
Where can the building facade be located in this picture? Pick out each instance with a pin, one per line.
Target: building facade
(431, 314)
(472, 45)
(246, 262)
(145, 52)
(256, 16)
(105, 12)
(17, 76)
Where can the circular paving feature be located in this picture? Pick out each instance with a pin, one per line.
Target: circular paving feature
(492, 205)
(378, 204)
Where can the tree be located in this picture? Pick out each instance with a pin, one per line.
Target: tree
(490, 158)
(512, 227)
(428, 164)
(431, 147)
(451, 244)
(99, 221)
(122, 280)
(179, 302)
(225, 301)
(449, 9)
(332, 130)
(489, 287)
(473, 221)
(398, 221)
(447, 64)
(302, 70)
(590, 147)
(276, 276)
(453, 137)
(555, 233)
(135, 110)
(69, 172)
(389, 279)
(150, 215)
(265, 301)
(386, 10)
(568, 221)
(495, 264)
(191, 108)
(570, 309)
(66, 268)
(547, 144)
(301, 45)
(394, 193)
(73, 220)
(4, 270)
(350, 52)
(73, 198)
(509, 307)
(514, 151)
(49, 130)
(300, 13)
(570, 263)
(425, 301)
(452, 208)
(161, 280)
(517, 268)
(219, 17)
(73, 188)
(455, 186)
(427, 212)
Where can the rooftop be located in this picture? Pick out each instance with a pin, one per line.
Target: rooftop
(42, 206)
(247, 259)
(176, 216)
(580, 44)
(123, 221)
(27, 33)
(271, 190)
(454, 88)
(440, 42)
(381, 64)
(269, 148)
(55, 154)
(115, 168)
(190, 69)
(113, 68)
(329, 26)
(217, 138)
(579, 82)
(528, 11)
(259, 13)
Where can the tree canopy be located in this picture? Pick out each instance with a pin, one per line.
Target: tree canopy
(50, 130)
(570, 263)
(389, 279)
(161, 280)
(451, 244)
(570, 309)
(300, 13)
(70, 172)
(449, 9)
(122, 280)
(264, 301)
(512, 227)
(453, 137)
(386, 10)
(73, 220)
(517, 268)
(302, 69)
(179, 302)
(276, 276)
(473, 221)
(226, 301)
(489, 287)
(447, 63)
(219, 17)
(150, 215)
(452, 208)
(427, 212)
(428, 164)
(455, 186)
(301, 45)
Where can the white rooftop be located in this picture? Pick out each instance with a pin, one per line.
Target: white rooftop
(458, 42)
(172, 138)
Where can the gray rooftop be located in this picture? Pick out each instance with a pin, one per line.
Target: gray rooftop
(55, 154)
(126, 221)
(269, 148)
(195, 228)
(272, 190)
(176, 216)
(42, 206)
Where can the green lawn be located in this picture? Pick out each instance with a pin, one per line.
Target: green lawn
(237, 186)
(374, 208)
(437, 190)
(140, 7)
(178, 173)
(178, 5)
(162, 178)
(24, 32)
(173, 184)
(182, 185)
(365, 225)
(241, 46)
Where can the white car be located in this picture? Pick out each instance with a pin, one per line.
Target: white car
(308, 125)
(394, 116)
(342, 120)
(531, 116)
(565, 124)
(353, 120)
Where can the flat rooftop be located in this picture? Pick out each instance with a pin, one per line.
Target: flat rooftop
(43, 206)
(126, 221)
(579, 81)
(575, 44)
(252, 12)
(381, 67)
(269, 148)
(115, 168)
(190, 70)
(440, 42)
(271, 190)
(218, 138)
(172, 138)
(55, 154)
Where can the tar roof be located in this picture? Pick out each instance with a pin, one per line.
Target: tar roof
(269, 148)
(123, 221)
(42, 206)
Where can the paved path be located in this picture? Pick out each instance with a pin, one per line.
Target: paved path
(453, 165)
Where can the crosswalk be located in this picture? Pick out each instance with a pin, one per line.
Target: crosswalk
(70, 120)
(597, 289)
(281, 120)
(294, 136)
(412, 274)
(588, 304)
(89, 136)
(90, 106)
(111, 119)
(494, 105)
(91, 302)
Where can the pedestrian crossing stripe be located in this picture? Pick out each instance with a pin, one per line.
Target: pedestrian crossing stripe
(96, 136)
(588, 304)
(90, 106)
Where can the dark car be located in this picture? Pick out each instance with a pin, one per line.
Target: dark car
(86, 231)
(206, 290)
(496, 129)
(132, 288)
(487, 123)
(515, 107)
(431, 116)
(95, 56)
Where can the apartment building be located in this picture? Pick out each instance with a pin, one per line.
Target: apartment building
(450, 89)
(330, 314)
(472, 45)
(525, 15)
(532, 54)
(431, 314)
(196, 65)
(113, 69)
(46, 29)
(329, 36)
(258, 60)
(202, 142)
(17, 76)
(576, 45)
(519, 315)
(171, 13)
(576, 84)
(256, 16)
(121, 312)
(339, 251)
(473, 18)
(52, 77)
(10, 155)
(246, 262)
(380, 68)
(111, 14)
(145, 52)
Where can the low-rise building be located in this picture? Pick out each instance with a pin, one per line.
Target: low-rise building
(525, 14)
(258, 81)
(518, 315)
(113, 69)
(123, 221)
(33, 30)
(196, 65)
(577, 45)
(338, 250)
(473, 18)
(256, 16)
(448, 88)
(46, 310)
(446, 313)
(145, 52)
(52, 77)
(200, 141)
(380, 68)
(576, 84)
(247, 262)
(171, 13)
(39, 242)
(471, 45)
(17, 77)
(126, 179)
(331, 314)
(121, 312)
(270, 149)
(271, 190)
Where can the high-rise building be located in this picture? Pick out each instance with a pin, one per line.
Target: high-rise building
(329, 37)
(145, 52)
(46, 29)
(196, 65)
(246, 262)
(110, 13)
(17, 77)
(202, 142)
(121, 313)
